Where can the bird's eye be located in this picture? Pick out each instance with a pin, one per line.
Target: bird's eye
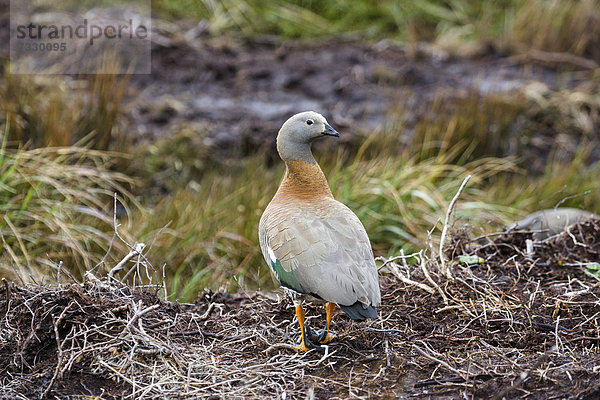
(309, 122)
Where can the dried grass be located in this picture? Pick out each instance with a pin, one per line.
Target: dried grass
(53, 206)
(514, 325)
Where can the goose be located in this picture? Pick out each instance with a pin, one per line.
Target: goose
(316, 247)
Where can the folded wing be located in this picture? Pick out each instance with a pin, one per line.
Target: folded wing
(324, 252)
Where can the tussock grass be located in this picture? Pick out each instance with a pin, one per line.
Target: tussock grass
(470, 127)
(175, 161)
(47, 111)
(572, 183)
(573, 112)
(400, 199)
(299, 19)
(557, 26)
(211, 239)
(53, 208)
(56, 180)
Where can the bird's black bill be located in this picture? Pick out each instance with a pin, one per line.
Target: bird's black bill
(330, 131)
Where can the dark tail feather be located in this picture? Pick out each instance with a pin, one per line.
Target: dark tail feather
(358, 312)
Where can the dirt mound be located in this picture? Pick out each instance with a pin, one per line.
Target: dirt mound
(510, 325)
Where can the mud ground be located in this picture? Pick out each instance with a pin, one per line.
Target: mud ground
(515, 325)
(236, 94)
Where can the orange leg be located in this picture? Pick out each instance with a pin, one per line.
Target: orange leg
(330, 308)
(300, 316)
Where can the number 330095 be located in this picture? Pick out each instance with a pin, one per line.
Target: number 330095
(44, 46)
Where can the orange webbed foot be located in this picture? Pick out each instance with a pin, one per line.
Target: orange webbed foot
(326, 337)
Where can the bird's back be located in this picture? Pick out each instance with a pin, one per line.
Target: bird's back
(314, 244)
(320, 248)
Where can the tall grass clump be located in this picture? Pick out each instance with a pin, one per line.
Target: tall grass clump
(470, 126)
(564, 183)
(574, 111)
(211, 235)
(175, 161)
(402, 19)
(399, 200)
(56, 206)
(49, 112)
(527, 123)
(571, 26)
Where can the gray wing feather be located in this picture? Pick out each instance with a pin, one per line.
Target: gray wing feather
(327, 249)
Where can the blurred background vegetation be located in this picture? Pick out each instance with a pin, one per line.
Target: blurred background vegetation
(512, 25)
(66, 147)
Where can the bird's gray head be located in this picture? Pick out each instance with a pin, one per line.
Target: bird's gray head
(297, 134)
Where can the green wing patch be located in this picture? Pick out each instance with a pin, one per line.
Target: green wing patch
(286, 278)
